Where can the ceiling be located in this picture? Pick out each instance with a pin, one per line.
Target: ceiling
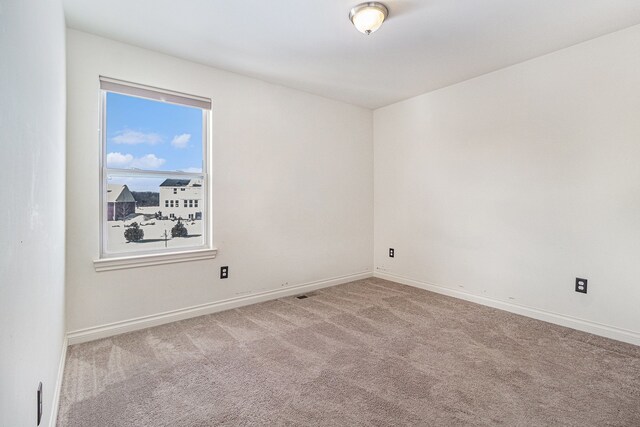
(312, 46)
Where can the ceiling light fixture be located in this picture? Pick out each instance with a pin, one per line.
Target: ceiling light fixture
(368, 17)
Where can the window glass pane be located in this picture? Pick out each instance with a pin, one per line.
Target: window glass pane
(149, 202)
(151, 135)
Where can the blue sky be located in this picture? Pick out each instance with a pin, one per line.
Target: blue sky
(152, 135)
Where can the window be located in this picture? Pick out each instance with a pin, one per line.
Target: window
(153, 142)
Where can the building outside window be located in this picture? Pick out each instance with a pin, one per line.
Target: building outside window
(190, 189)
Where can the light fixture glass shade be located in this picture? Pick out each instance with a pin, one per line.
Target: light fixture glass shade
(368, 17)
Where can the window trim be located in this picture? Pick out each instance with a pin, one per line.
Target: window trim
(134, 261)
(112, 261)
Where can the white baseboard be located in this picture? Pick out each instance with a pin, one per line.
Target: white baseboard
(558, 319)
(103, 331)
(55, 401)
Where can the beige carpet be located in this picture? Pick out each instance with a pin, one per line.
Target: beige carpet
(370, 352)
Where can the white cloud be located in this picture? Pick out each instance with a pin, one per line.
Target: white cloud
(181, 141)
(130, 137)
(150, 161)
(125, 161)
(119, 160)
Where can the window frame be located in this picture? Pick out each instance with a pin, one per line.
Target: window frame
(116, 260)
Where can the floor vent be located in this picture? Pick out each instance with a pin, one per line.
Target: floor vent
(302, 296)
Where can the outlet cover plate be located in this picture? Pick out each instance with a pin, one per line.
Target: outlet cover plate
(39, 394)
(581, 285)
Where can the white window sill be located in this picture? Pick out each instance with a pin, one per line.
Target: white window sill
(134, 261)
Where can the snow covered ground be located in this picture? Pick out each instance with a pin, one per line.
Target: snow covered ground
(154, 233)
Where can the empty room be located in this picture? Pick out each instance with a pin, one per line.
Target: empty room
(319, 213)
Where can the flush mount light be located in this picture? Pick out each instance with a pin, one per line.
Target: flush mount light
(368, 17)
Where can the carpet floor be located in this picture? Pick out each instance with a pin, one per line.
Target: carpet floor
(370, 352)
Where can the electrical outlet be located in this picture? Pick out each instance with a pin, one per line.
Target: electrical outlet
(392, 252)
(581, 285)
(39, 393)
(224, 272)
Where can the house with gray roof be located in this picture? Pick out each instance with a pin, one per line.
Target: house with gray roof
(120, 202)
(181, 198)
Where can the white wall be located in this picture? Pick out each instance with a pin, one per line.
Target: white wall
(292, 188)
(32, 190)
(510, 185)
